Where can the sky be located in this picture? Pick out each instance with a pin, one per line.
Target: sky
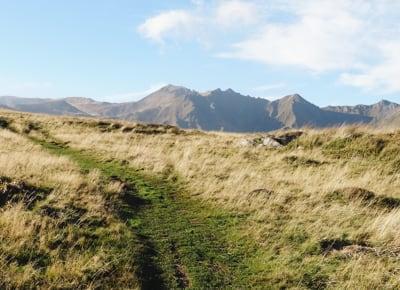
(330, 52)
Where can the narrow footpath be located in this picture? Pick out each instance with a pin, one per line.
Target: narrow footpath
(181, 243)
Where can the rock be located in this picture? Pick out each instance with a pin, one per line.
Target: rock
(286, 138)
(270, 142)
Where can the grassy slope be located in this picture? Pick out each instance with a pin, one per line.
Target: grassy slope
(327, 215)
(55, 229)
(180, 243)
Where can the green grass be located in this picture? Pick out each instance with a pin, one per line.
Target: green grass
(179, 242)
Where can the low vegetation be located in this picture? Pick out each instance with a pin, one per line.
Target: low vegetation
(56, 229)
(157, 206)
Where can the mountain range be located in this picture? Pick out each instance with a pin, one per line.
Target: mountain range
(218, 110)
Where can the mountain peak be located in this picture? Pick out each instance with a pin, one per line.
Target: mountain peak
(385, 103)
(220, 91)
(174, 89)
(295, 98)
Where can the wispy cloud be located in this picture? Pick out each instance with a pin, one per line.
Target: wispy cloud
(383, 77)
(169, 24)
(355, 39)
(200, 21)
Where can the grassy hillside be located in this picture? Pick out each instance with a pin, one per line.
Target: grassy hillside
(121, 205)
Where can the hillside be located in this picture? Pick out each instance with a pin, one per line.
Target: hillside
(127, 205)
(216, 110)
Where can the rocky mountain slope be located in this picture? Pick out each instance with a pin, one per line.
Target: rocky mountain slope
(376, 111)
(293, 111)
(219, 110)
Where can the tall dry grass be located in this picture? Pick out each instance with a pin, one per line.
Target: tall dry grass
(295, 196)
(49, 244)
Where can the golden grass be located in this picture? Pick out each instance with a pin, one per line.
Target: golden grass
(40, 250)
(296, 199)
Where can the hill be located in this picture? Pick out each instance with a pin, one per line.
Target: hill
(95, 203)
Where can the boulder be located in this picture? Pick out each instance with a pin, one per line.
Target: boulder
(270, 142)
(286, 138)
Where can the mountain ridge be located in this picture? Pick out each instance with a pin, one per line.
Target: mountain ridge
(217, 110)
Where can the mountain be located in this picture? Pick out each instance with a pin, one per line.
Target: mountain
(88, 106)
(14, 102)
(4, 107)
(377, 111)
(214, 110)
(391, 120)
(217, 110)
(293, 111)
(37, 105)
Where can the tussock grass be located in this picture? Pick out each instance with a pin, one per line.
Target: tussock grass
(297, 199)
(55, 229)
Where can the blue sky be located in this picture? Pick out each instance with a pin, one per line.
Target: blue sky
(331, 52)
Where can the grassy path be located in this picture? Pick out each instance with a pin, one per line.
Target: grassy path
(180, 243)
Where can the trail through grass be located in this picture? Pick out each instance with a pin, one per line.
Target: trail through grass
(181, 243)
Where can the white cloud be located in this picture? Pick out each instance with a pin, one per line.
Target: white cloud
(351, 38)
(236, 13)
(383, 77)
(174, 23)
(191, 23)
(323, 37)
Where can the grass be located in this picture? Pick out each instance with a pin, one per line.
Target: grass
(205, 212)
(180, 243)
(55, 229)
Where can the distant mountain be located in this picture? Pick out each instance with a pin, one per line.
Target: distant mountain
(4, 107)
(214, 110)
(37, 105)
(14, 102)
(392, 119)
(88, 106)
(377, 111)
(218, 110)
(293, 111)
